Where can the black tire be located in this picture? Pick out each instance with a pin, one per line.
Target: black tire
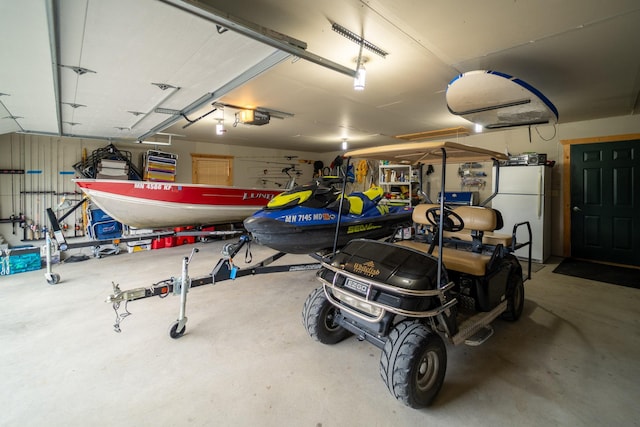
(54, 279)
(318, 319)
(413, 364)
(175, 333)
(515, 296)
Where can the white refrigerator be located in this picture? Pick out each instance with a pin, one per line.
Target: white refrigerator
(524, 195)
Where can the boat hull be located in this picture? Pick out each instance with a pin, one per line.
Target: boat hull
(159, 205)
(304, 239)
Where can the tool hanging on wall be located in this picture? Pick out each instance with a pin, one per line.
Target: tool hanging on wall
(276, 183)
(361, 170)
(318, 166)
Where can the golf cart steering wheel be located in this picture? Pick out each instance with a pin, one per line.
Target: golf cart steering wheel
(451, 220)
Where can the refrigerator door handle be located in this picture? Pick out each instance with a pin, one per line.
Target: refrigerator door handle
(540, 193)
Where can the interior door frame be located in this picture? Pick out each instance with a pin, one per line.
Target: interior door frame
(566, 179)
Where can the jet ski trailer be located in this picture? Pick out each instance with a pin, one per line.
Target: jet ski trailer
(225, 269)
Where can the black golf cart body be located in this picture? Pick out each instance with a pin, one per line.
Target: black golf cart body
(448, 282)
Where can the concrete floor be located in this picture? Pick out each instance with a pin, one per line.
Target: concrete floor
(246, 360)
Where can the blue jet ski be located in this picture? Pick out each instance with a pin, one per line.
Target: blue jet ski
(303, 220)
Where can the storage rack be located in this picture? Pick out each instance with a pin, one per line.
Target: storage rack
(88, 168)
(396, 175)
(160, 166)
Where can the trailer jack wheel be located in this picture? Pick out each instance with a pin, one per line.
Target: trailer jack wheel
(174, 332)
(52, 278)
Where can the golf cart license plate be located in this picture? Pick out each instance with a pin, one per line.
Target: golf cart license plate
(356, 286)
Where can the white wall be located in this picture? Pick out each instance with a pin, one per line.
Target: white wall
(32, 193)
(53, 155)
(544, 139)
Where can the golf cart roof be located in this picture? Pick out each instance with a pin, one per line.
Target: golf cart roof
(426, 152)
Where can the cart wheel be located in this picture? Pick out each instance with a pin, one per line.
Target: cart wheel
(515, 296)
(413, 364)
(318, 317)
(174, 333)
(53, 279)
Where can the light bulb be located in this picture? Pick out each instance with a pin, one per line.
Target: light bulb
(360, 78)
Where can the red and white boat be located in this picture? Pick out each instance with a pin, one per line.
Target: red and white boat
(144, 204)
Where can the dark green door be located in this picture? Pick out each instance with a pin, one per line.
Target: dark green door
(605, 202)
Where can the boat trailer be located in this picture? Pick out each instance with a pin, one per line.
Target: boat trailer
(225, 269)
(57, 238)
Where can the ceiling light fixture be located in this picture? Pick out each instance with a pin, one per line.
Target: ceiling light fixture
(360, 79)
(358, 40)
(220, 130)
(360, 75)
(154, 142)
(344, 144)
(170, 135)
(478, 128)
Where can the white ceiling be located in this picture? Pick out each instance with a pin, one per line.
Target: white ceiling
(581, 54)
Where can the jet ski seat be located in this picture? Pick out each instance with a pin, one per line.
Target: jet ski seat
(358, 202)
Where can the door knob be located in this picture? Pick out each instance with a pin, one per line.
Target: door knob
(577, 209)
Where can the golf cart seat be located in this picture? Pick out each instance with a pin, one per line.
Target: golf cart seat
(486, 218)
(477, 220)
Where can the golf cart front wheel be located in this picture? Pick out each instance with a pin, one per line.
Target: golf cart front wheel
(413, 364)
(319, 319)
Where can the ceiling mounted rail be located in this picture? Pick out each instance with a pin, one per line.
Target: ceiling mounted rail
(214, 96)
(259, 33)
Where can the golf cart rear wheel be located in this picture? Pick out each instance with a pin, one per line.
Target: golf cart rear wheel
(413, 364)
(515, 296)
(318, 317)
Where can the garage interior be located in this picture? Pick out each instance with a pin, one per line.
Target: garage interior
(80, 75)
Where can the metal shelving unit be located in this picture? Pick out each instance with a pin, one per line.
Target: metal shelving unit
(393, 177)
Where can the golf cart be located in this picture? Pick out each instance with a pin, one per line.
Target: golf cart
(448, 282)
